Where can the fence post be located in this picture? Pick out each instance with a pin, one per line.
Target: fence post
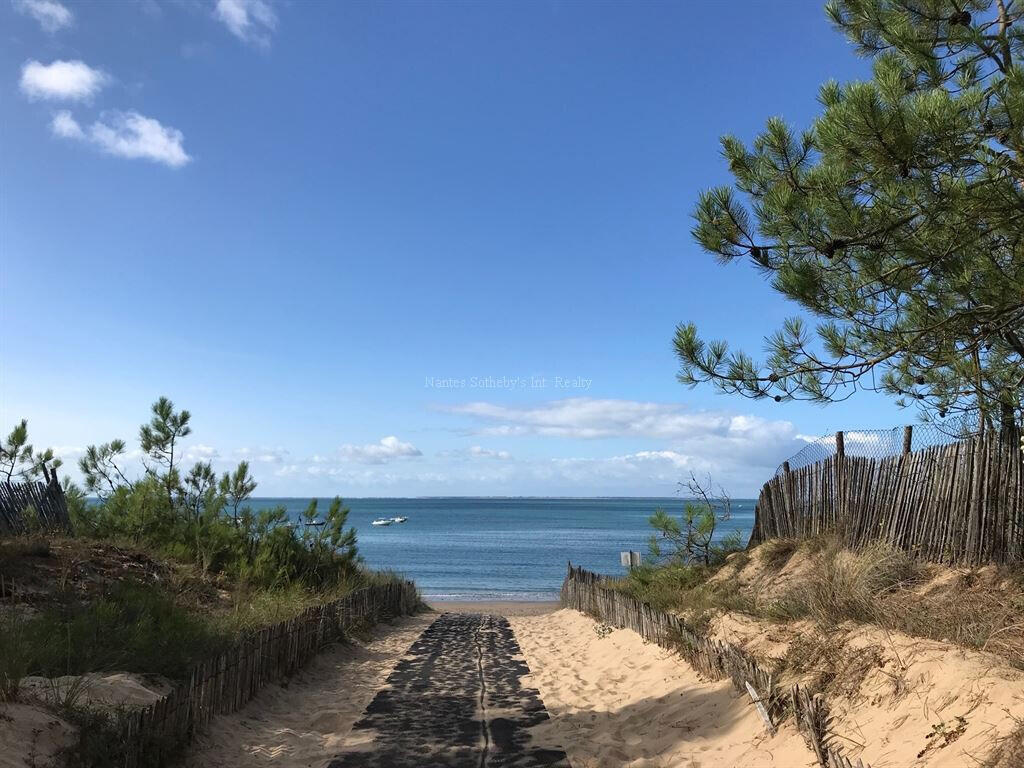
(908, 436)
(841, 501)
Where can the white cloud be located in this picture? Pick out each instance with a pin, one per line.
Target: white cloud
(68, 453)
(250, 20)
(264, 455)
(387, 449)
(201, 453)
(588, 418)
(51, 15)
(487, 453)
(127, 134)
(65, 126)
(656, 469)
(739, 450)
(67, 80)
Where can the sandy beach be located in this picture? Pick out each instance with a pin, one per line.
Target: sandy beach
(506, 608)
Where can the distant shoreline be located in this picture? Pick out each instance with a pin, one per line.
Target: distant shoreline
(496, 498)
(496, 607)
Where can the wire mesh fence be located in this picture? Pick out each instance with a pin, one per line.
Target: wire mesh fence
(879, 443)
(956, 501)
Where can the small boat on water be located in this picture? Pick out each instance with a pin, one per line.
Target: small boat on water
(382, 521)
(399, 519)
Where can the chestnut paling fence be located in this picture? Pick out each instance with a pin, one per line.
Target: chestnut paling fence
(25, 506)
(961, 503)
(589, 593)
(225, 683)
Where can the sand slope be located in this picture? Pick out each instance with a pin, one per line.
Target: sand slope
(617, 701)
(306, 722)
(31, 736)
(899, 701)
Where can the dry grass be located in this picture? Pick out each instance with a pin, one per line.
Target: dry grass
(775, 553)
(843, 586)
(828, 663)
(981, 609)
(1009, 753)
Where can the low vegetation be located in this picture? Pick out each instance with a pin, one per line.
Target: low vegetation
(980, 608)
(685, 551)
(133, 626)
(165, 568)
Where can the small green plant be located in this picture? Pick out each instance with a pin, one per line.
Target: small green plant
(602, 630)
(67, 691)
(691, 539)
(943, 734)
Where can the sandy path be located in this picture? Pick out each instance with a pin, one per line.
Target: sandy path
(455, 701)
(304, 723)
(617, 701)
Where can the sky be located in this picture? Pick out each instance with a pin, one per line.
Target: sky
(396, 249)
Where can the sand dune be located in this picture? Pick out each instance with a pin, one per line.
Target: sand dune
(305, 722)
(617, 701)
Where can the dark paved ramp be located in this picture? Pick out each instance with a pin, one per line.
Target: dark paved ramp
(455, 699)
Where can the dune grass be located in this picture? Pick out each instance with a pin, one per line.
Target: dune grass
(977, 608)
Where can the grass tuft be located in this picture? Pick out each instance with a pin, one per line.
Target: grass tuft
(844, 586)
(775, 553)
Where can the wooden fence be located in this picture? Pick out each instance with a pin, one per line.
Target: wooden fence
(43, 500)
(225, 683)
(961, 503)
(587, 592)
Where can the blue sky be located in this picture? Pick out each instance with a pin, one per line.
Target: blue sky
(292, 217)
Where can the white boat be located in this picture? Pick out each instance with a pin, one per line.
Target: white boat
(382, 521)
(399, 519)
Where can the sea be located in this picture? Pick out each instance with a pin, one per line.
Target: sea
(463, 549)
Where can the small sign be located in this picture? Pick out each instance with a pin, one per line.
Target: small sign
(630, 559)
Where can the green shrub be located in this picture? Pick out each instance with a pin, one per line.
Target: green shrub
(133, 627)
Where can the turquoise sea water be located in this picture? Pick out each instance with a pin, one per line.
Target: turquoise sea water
(502, 548)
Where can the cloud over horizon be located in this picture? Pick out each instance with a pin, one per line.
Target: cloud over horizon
(388, 449)
(574, 446)
(591, 419)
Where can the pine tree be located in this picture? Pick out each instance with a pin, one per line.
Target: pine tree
(896, 221)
